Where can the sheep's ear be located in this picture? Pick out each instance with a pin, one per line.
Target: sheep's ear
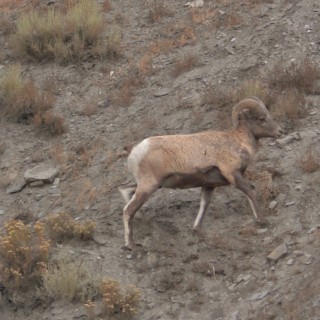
(243, 114)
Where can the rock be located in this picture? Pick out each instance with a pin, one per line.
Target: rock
(1, 212)
(273, 204)
(41, 172)
(104, 103)
(313, 229)
(56, 181)
(16, 186)
(195, 4)
(290, 262)
(129, 256)
(261, 231)
(278, 252)
(234, 315)
(161, 93)
(259, 295)
(291, 203)
(37, 184)
(286, 140)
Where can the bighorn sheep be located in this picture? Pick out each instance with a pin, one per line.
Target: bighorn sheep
(207, 159)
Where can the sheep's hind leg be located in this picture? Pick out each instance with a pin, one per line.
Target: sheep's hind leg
(244, 186)
(127, 191)
(206, 194)
(140, 197)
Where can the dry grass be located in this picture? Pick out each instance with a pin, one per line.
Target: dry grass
(129, 85)
(21, 99)
(71, 280)
(251, 88)
(58, 154)
(184, 64)
(67, 37)
(310, 160)
(24, 252)
(90, 109)
(62, 226)
(289, 105)
(303, 76)
(87, 195)
(200, 16)
(158, 11)
(49, 122)
(203, 267)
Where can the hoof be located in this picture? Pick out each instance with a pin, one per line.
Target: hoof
(262, 222)
(126, 248)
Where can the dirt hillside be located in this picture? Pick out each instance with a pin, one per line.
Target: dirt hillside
(222, 272)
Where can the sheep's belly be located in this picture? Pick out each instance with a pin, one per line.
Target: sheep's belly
(209, 178)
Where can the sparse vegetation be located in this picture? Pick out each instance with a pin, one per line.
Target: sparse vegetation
(71, 280)
(310, 161)
(158, 11)
(61, 227)
(24, 252)
(289, 106)
(66, 37)
(302, 76)
(184, 64)
(251, 88)
(21, 99)
(124, 303)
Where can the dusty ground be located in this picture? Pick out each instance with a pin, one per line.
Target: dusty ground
(174, 266)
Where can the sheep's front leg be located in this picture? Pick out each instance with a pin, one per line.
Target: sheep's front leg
(139, 198)
(245, 187)
(206, 194)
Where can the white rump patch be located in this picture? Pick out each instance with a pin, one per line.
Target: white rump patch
(137, 154)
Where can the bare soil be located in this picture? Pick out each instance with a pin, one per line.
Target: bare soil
(222, 273)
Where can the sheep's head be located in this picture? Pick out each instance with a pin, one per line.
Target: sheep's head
(253, 114)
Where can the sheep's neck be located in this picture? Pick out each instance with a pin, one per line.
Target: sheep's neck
(247, 137)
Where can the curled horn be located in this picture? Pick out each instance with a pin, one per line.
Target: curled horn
(251, 104)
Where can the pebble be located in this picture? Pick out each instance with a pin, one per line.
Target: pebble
(161, 93)
(273, 204)
(129, 256)
(1, 212)
(290, 262)
(291, 203)
(278, 252)
(259, 295)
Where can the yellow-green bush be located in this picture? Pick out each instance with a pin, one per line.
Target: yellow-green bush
(24, 252)
(61, 226)
(116, 301)
(73, 35)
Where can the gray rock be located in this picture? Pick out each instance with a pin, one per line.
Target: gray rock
(278, 252)
(290, 203)
(284, 141)
(37, 184)
(41, 172)
(161, 93)
(1, 212)
(273, 204)
(290, 262)
(16, 186)
(259, 295)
